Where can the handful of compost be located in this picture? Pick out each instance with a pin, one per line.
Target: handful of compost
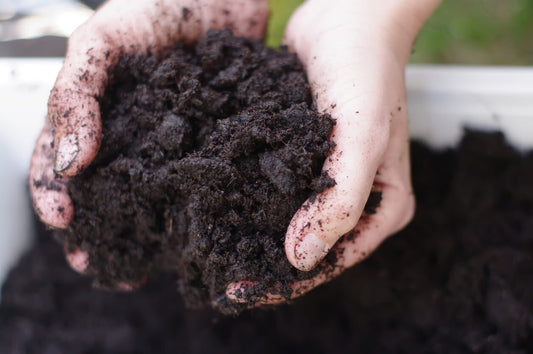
(205, 157)
(353, 53)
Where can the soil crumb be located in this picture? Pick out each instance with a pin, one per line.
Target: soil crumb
(205, 157)
(458, 279)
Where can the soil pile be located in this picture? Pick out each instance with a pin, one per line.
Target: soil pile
(205, 158)
(458, 279)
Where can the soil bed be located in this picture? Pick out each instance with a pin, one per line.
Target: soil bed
(458, 279)
(205, 158)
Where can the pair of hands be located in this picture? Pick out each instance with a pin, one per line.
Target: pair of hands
(354, 53)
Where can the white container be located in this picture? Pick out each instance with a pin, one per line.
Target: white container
(442, 100)
(24, 88)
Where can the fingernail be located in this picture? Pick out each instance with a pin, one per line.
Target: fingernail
(309, 251)
(67, 150)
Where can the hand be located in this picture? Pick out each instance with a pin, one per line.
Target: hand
(71, 135)
(355, 53)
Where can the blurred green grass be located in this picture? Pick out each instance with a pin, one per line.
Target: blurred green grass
(471, 32)
(280, 11)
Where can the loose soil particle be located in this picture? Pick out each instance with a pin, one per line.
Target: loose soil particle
(205, 157)
(458, 279)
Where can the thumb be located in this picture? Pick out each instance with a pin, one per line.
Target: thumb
(323, 219)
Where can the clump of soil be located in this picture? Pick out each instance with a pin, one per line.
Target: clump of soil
(205, 157)
(458, 279)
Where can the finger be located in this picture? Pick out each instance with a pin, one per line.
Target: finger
(396, 209)
(323, 219)
(236, 292)
(394, 212)
(239, 292)
(118, 28)
(48, 191)
(127, 286)
(94, 47)
(78, 260)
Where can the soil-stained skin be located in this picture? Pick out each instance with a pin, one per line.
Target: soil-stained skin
(205, 157)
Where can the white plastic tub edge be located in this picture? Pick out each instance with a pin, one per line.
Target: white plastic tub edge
(442, 100)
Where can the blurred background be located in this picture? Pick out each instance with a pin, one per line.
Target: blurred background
(471, 32)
